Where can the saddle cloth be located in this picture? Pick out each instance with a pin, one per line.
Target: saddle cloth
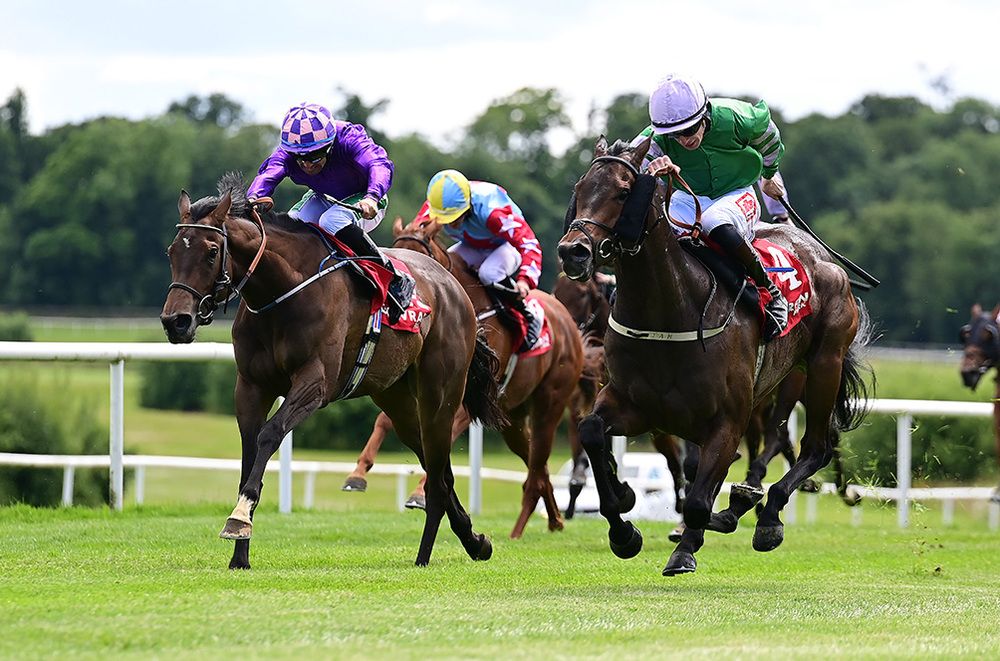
(544, 343)
(378, 278)
(794, 284)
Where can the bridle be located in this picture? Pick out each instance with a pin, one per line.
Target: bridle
(991, 351)
(424, 243)
(612, 246)
(209, 303)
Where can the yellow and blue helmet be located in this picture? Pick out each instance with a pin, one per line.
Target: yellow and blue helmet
(448, 196)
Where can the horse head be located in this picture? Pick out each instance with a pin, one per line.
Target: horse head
(420, 235)
(981, 345)
(612, 203)
(198, 267)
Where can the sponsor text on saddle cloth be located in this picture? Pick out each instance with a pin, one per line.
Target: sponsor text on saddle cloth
(794, 283)
(379, 279)
(544, 342)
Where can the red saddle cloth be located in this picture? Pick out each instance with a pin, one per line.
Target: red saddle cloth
(544, 343)
(793, 284)
(379, 278)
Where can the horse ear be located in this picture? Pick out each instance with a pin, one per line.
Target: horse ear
(977, 310)
(184, 205)
(397, 226)
(601, 148)
(222, 210)
(640, 150)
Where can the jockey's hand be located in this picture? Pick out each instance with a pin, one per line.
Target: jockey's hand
(368, 208)
(772, 188)
(522, 288)
(662, 166)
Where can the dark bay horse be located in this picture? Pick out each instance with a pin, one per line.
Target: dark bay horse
(305, 347)
(980, 353)
(535, 395)
(663, 378)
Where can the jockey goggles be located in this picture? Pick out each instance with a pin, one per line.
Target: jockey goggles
(313, 157)
(689, 131)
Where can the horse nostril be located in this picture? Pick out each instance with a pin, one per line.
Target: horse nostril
(176, 323)
(573, 252)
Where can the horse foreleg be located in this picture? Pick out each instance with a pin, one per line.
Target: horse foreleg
(252, 405)
(578, 476)
(612, 416)
(546, 413)
(357, 480)
(306, 394)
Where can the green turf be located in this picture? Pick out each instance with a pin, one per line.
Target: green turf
(152, 583)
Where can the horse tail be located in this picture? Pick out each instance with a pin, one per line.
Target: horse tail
(593, 371)
(482, 390)
(852, 398)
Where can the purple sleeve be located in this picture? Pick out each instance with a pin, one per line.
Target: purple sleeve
(369, 156)
(270, 174)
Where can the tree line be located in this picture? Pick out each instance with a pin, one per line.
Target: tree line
(908, 191)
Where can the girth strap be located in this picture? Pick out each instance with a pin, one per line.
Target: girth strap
(365, 354)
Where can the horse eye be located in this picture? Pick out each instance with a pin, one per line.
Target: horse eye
(212, 253)
(623, 194)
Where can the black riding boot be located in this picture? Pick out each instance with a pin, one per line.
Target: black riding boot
(507, 293)
(402, 285)
(776, 311)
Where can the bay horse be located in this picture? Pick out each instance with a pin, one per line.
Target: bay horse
(535, 394)
(980, 353)
(688, 359)
(297, 337)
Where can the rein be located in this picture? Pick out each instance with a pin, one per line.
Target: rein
(424, 243)
(209, 303)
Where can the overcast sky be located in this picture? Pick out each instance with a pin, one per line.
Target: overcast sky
(441, 62)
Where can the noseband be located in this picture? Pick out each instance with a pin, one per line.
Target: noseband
(209, 303)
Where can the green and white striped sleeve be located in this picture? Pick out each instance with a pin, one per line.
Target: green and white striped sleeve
(762, 136)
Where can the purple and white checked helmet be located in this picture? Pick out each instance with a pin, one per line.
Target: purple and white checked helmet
(307, 127)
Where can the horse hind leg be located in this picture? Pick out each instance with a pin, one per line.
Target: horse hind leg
(358, 480)
(546, 412)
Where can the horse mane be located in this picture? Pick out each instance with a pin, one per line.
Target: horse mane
(234, 184)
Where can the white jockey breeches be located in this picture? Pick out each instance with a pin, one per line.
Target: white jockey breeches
(739, 208)
(493, 264)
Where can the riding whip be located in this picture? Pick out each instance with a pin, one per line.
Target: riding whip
(801, 224)
(339, 203)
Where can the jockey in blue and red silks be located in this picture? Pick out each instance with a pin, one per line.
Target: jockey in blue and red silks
(491, 236)
(335, 159)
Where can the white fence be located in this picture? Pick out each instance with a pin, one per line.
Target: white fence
(117, 353)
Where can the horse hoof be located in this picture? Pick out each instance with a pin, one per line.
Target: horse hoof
(416, 502)
(768, 538)
(234, 565)
(632, 545)
(236, 529)
(627, 500)
(676, 534)
(569, 513)
(809, 486)
(556, 526)
(485, 550)
(680, 562)
(724, 522)
(355, 484)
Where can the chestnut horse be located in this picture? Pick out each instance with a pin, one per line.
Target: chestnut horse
(663, 378)
(298, 337)
(538, 390)
(981, 352)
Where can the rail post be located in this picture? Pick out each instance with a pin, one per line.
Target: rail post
(904, 464)
(475, 468)
(117, 440)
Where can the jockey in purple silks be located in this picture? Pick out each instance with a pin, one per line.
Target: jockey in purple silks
(337, 160)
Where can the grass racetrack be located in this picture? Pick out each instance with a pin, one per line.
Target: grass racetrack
(152, 582)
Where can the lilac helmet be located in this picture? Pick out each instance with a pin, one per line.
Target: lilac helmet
(307, 127)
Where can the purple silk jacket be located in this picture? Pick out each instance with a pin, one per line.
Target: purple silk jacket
(355, 165)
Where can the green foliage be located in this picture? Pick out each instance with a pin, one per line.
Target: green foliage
(34, 420)
(342, 426)
(15, 328)
(188, 386)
